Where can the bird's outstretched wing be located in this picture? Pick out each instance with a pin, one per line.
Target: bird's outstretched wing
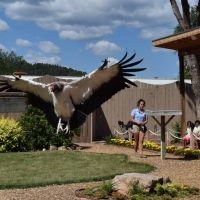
(38, 89)
(97, 87)
(38, 95)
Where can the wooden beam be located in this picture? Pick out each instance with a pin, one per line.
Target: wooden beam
(13, 94)
(12, 104)
(184, 40)
(182, 90)
(156, 120)
(169, 120)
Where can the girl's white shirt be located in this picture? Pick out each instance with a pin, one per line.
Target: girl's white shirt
(188, 131)
(196, 131)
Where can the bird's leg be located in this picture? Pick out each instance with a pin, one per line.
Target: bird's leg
(67, 128)
(59, 127)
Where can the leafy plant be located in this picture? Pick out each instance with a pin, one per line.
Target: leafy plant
(107, 187)
(89, 192)
(37, 131)
(11, 135)
(176, 126)
(136, 191)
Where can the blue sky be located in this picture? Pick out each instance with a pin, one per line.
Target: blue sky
(81, 33)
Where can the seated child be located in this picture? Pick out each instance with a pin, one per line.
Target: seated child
(189, 130)
(196, 132)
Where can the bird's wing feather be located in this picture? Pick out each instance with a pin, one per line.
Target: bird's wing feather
(38, 89)
(97, 87)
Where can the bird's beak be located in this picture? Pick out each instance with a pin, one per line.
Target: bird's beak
(51, 89)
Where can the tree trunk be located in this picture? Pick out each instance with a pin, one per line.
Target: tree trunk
(198, 13)
(193, 64)
(192, 59)
(186, 14)
(177, 13)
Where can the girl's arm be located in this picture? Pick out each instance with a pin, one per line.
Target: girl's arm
(145, 121)
(134, 122)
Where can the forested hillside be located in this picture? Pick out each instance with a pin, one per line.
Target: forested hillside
(10, 62)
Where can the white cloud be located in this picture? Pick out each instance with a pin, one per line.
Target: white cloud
(155, 32)
(3, 47)
(103, 48)
(3, 25)
(23, 43)
(49, 47)
(37, 57)
(83, 32)
(84, 19)
(112, 61)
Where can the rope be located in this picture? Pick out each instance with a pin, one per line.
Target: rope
(156, 133)
(198, 138)
(172, 130)
(120, 133)
(169, 130)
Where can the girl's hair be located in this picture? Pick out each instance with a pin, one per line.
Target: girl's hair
(189, 123)
(139, 101)
(197, 122)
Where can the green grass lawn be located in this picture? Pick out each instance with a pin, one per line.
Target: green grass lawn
(22, 170)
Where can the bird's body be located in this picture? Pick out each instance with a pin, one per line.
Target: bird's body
(62, 102)
(73, 101)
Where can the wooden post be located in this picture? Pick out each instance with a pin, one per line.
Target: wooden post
(162, 144)
(182, 90)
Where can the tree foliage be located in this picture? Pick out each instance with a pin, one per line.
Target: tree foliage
(10, 62)
(179, 29)
(192, 58)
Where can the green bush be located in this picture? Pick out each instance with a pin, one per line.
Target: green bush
(11, 135)
(176, 126)
(37, 130)
(136, 192)
(107, 187)
(39, 133)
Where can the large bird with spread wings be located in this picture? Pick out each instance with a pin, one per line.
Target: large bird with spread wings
(73, 101)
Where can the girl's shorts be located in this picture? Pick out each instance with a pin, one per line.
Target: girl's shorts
(186, 138)
(136, 129)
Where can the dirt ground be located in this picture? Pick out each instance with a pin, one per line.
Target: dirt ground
(175, 167)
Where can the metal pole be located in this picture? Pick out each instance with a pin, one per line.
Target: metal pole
(162, 145)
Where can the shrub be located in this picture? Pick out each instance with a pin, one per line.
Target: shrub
(37, 131)
(176, 126)
(107, 187)
(11, 135)
(136, 191)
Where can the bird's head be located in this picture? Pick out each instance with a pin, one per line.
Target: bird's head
(56, 87)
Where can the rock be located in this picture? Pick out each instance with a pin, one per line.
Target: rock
(53, 148)
(122, 183)
(166, 180)
(62, 148)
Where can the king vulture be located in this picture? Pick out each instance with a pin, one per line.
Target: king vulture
(73, 101)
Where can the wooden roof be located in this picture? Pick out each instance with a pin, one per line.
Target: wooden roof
(188, 41)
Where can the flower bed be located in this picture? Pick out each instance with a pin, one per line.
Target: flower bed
(156, 147)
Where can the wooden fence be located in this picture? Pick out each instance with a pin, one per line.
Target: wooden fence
(157, 97)
(103, 121)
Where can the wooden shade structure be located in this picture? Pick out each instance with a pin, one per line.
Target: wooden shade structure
(186, 42)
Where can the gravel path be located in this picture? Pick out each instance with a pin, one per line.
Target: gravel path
(178, 169)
